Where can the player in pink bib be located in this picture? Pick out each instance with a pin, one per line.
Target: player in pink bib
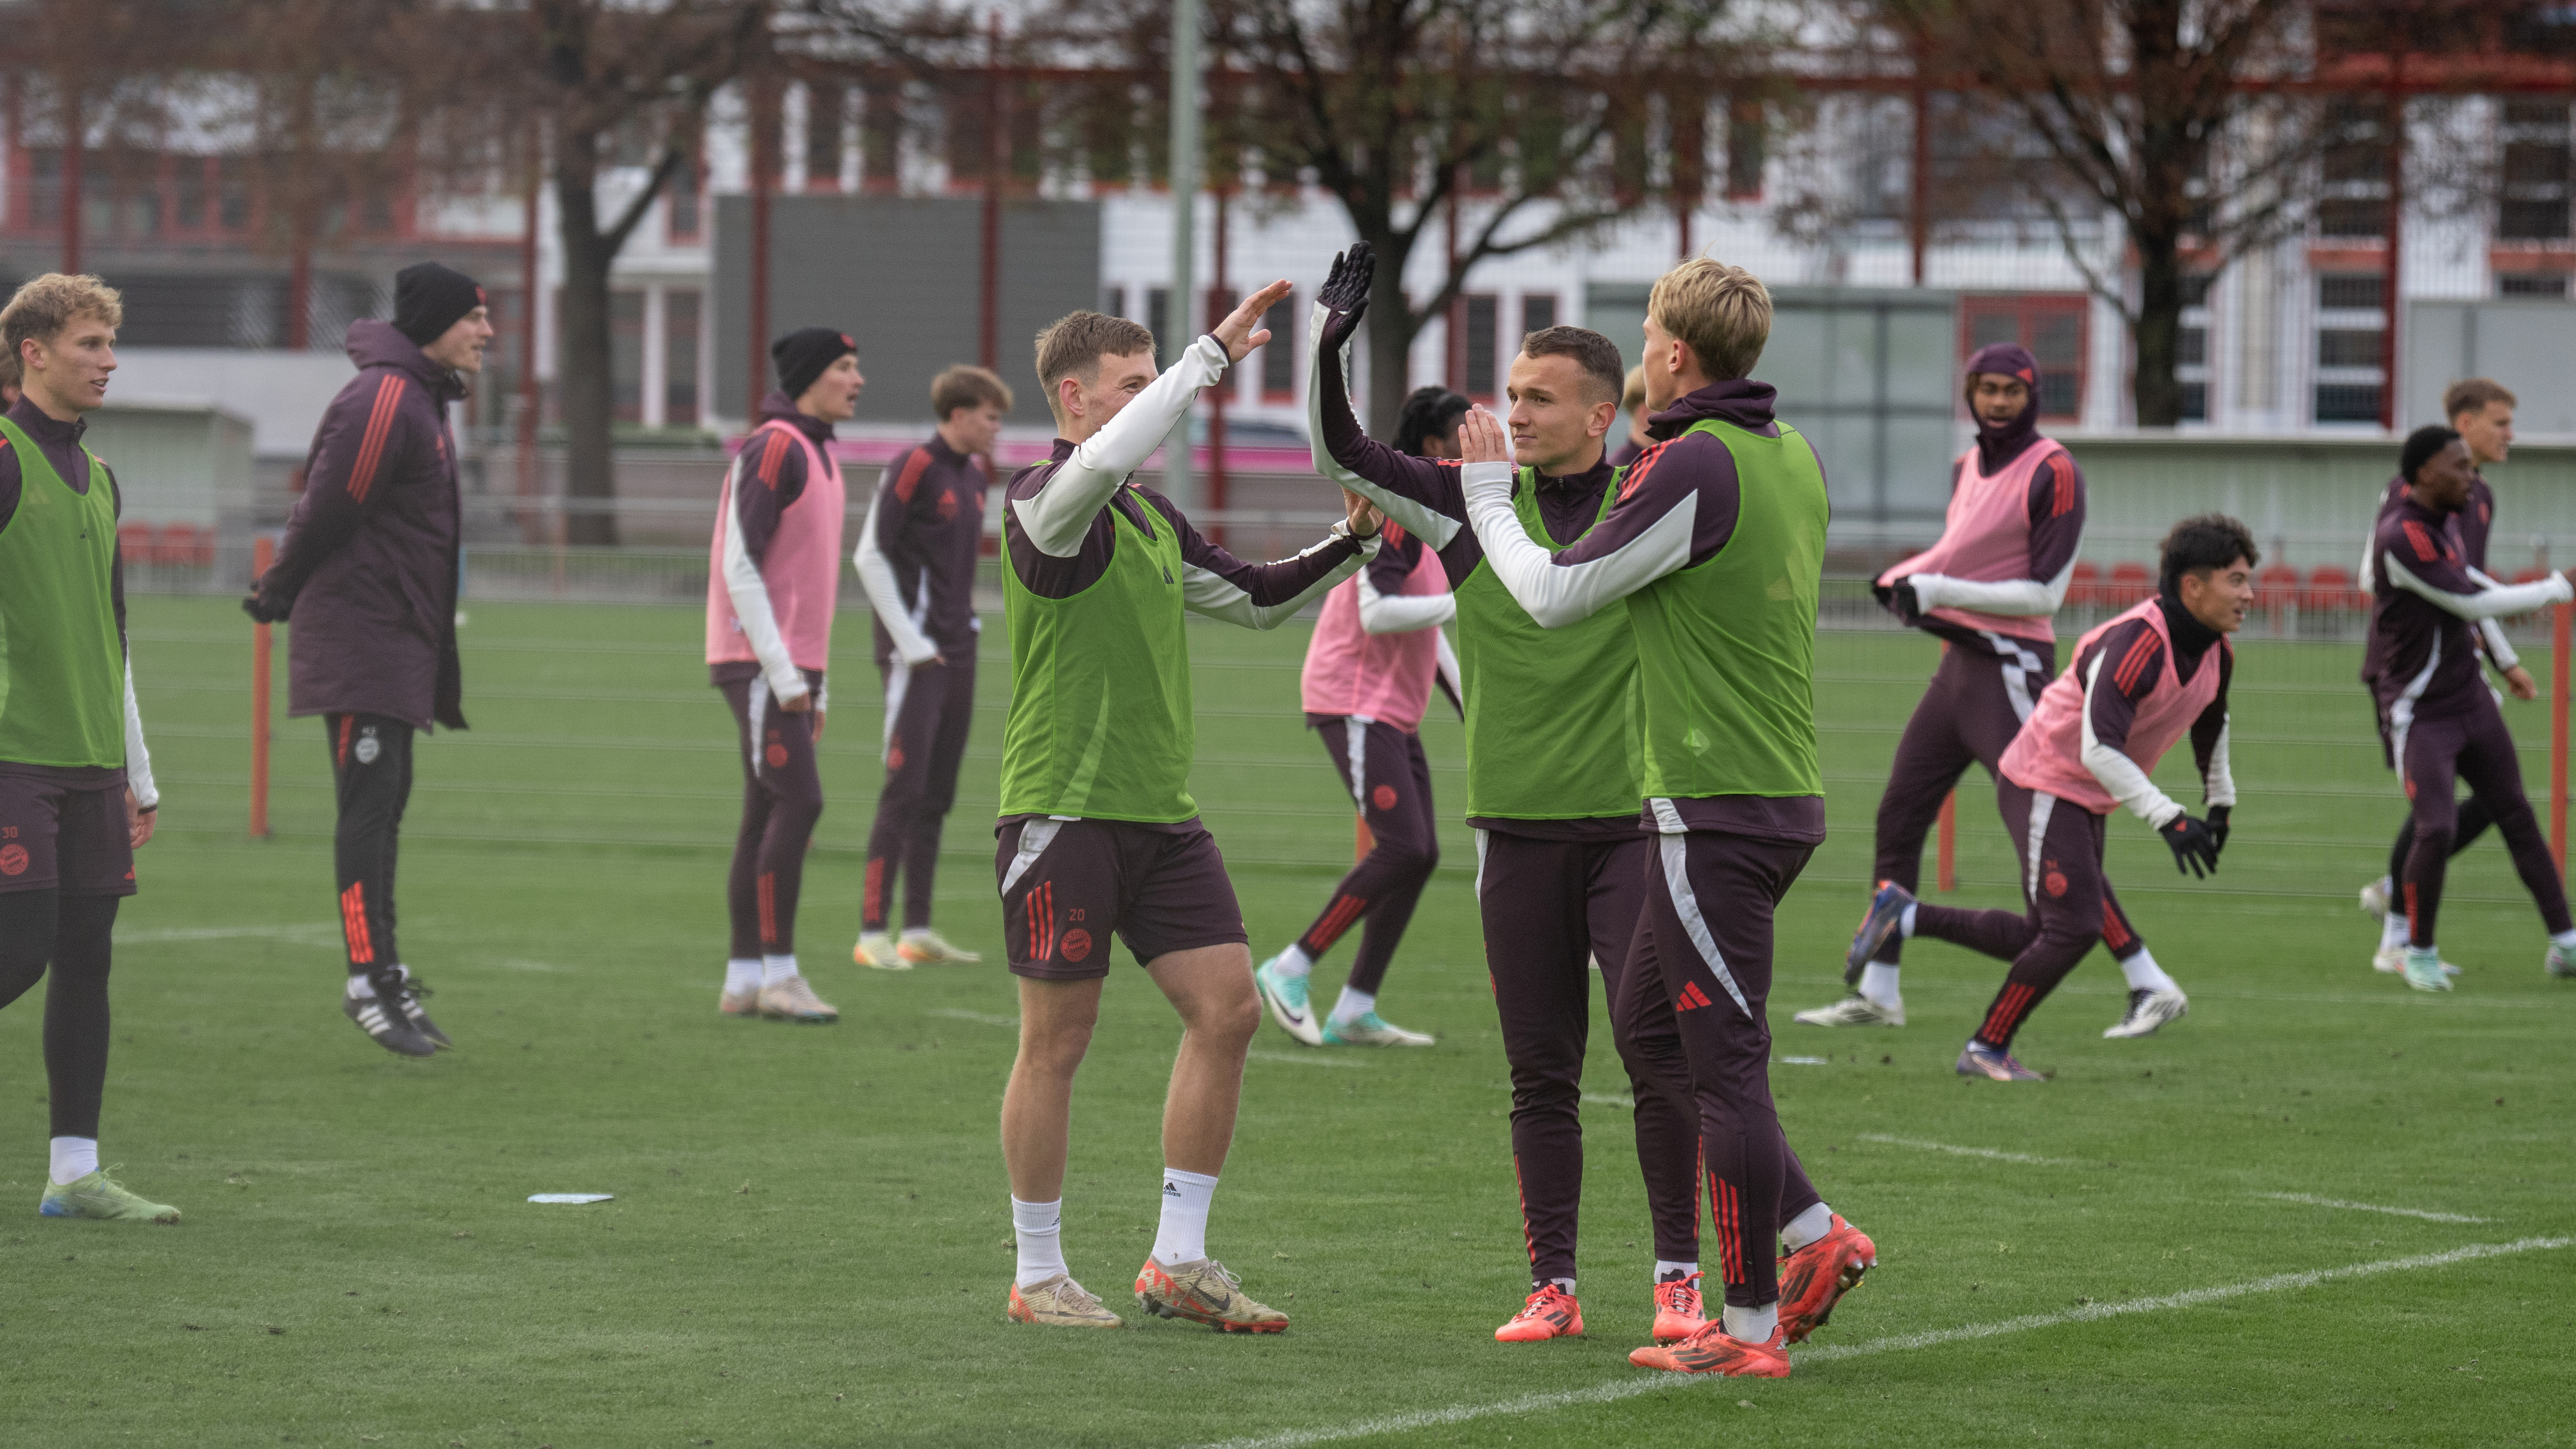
(1988, 590)
(2138, 685)
(773, 579)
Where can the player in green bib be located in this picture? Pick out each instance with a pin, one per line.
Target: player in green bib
(1554, 771)
(1714, 552)
(1099, 835)
(76, 793)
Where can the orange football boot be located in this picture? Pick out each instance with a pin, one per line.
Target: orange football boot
(1678, 1313)
(1815, 1278)
(1711, 1351)
(1551, 1312)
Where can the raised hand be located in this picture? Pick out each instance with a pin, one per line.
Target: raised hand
(1240, 333)
(1364, 519)
(1346, 293)
(1481, 439)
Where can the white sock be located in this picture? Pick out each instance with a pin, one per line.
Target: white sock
(1562, 1285)
(742, 975)
(1806, 1227)
(1038, 1229)
(1354, 1005)
(362, 987)
(778, 970)
(1182, 1238)
(1292, 963)
(1752, 1325)
(2145, 975)
(1667, 1271)
(2392, 931)
(74, 1159)
(2563, 938)
(1905, 922)
(2434, 952)
(1878, 983)
(916, 933)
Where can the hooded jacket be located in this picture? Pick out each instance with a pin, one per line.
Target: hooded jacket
(370, 553)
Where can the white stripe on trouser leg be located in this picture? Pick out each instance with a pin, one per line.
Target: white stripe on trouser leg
(2042, 806)
(1668, 820)
(2019, 665)
(1677, 881)
(898, 683)
(1355, 751)
(1035, 837)
(2401, 711)
(1480, 865)
(759, 714)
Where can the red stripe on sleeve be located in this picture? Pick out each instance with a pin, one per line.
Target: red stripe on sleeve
(771, 456)
(1638, 470)
(913, 468)
(371, 448)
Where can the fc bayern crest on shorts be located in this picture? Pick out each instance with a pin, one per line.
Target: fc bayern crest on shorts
(369, 746)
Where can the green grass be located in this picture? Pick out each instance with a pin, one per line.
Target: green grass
(809, 1239)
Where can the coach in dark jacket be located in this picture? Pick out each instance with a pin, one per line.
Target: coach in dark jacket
(367, 576)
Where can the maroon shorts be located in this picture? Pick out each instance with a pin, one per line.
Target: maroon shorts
(1067, 884)
(58, 837)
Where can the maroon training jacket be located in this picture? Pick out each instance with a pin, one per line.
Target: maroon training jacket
(370, 551)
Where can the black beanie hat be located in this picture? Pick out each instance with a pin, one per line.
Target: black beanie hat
(2420, 447)
(428, 298)
(801, 356)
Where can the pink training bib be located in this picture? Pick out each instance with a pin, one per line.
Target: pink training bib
(802, 566)
(2048, 754)
(1985, 537)
(1384, 677)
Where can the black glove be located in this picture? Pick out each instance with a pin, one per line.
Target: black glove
(1898, 599)
(1345, 294)
(2218, 829)
(266, 608)
(2194, 846)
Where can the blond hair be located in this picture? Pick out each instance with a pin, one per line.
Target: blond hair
(1633, 396)
(962, 386)
(1722, 313)
(1074, 346)
(2473, 396)
(46, 305)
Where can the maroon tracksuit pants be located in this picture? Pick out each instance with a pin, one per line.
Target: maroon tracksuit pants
(1975, 705)
(1703, 976)
(1384, 772)
(2434, 755)
(929, 710)
(782, 797)
(2070, 907)
(1547, 906)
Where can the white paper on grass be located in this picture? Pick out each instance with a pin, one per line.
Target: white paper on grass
(572, 1197)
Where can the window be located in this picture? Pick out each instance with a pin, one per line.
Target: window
(2051, 325)
(2539, 165)
(1484, 321)
(2348, 346)
(1538, 312)
(2191, 347)
(1745, 150)
(687, 211)
(680, 357)
(826, 124)
(188, 193)
(2342, 402)
(626, 354)
(232, 185)
(2345, 216)
(1279, 355)
(2531, 284)
(1158, 320)
(1113, 301)
(2195, 288)
(2350, 289)
(2195, 402)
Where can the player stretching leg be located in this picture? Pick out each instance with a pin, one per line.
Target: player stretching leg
(916, 558)
(2481, 411)
(1716, 543)
(1553, 774)
(1370, 666)
(773, 579)
(2437, 716)
(1098, 833)
(76, 796)
(1987, 590)
(368, 573)
(2138, 684)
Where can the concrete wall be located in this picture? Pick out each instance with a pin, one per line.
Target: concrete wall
(2528, 344)
(175, 462)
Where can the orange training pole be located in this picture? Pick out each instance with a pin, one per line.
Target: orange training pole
(2559, 619)
(1950, 841)
(263, 552)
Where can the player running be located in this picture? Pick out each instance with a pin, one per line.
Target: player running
(2481, 411)
(76, 796)
(916, 559)
(2437, 718)
(1716, 544)
(1987, 590)
(368, 573)
(773, 580)
(1370, 666)
(1553, 774)
(1098, 833)
(2139, 683)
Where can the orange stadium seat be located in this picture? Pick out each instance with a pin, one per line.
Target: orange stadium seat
(2330, 587)
(2130, 583)
(2085, 585)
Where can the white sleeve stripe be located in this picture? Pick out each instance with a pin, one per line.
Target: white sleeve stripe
(1557, 595)
(876, 577)
(1402, 613)
(1074, 493)
(750, 596)
(1434, 529)
(2118, 773)
(138, 760)
(2218, 783)
(1212, 594)
(2485, 603)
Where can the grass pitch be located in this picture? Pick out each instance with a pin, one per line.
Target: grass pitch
(809, 1239)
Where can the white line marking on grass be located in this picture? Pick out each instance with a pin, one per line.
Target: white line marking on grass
(986, 1017)
(1304, 1059)
(301, 935)
(2371, 1207)
(1989, 1153)
(1610, 1099)
(1638, 1385)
